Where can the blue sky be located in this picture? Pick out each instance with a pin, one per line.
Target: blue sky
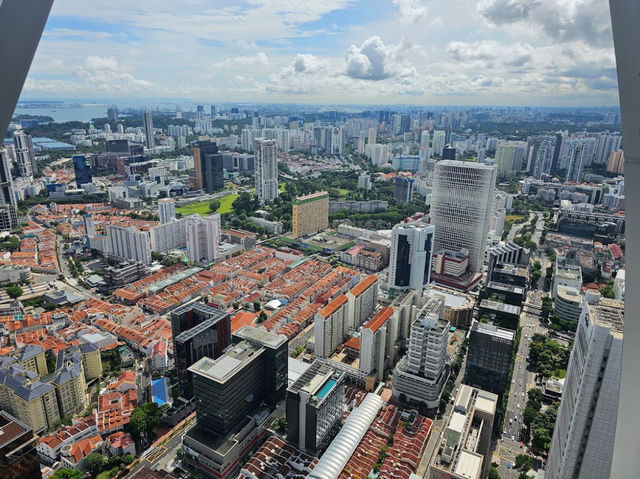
(423, 52)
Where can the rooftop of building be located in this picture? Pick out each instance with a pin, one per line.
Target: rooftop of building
(278, 460)
(608, 313)
(333, 306)
(11, 429)
(234, 358)
(452, 297)
(379, 319)
(493, 330)
(310, 197)
(317, 381)
(266, 338)
(500, 307)
(509, 288)
(363, 285)
(512, 269)
(459, 439)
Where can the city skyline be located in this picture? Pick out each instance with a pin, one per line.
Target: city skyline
(397, 52)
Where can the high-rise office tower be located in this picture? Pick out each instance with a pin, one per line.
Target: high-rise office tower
(315, 404)
(410, 256)
(127, 243)
(209, 167)
(199, 331)
(460, 207)
(82, 170)
(584, 433)
(276, 357)
(421, 374)
(438, 142)
(266, 164)
(147, 120)
(166, 210)
(25, 156)
(203, 238)
(403, 189)
(489, 357)
(230, 393)
(448, 153)
(7, 194)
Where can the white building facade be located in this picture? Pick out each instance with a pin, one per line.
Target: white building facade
(461, 211)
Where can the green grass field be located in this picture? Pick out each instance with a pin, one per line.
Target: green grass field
(202, 207)
(514, 218)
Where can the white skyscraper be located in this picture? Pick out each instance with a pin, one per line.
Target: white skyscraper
(247, 136)
(372, 136)
(437, 143)
(203, 238)
(148, 129)
(266, 164)
(421, 375)
(424, 139)
(410, 256)
(166, 209)
(25, 156)
(510, 156)
(127, 243)
(583, 438)
(337, 141)
(461, 207)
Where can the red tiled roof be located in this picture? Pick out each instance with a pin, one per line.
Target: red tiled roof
(379, 319)
(333, 306)
(363, 285)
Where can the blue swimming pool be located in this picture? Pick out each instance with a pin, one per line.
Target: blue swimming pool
(326, 387)
(159, 391)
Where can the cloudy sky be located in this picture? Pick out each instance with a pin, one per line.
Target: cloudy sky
(505, 52)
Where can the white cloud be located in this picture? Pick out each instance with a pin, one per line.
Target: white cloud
(105, 74)
(244, 61)
(491, 51)
(411, 11)
(561, 20)
(375, 61)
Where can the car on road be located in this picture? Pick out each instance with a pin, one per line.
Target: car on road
(508, 465)
(522, 394)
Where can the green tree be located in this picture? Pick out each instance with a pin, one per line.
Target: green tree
(67, 473)
(262, 317)
(144, 419)
(541, 439)
(523, 462)
(493, 473)
(94, 463)
(13, 291)
(256, 306)
(214, 206)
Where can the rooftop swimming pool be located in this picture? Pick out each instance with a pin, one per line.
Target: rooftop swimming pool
(326, 387)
